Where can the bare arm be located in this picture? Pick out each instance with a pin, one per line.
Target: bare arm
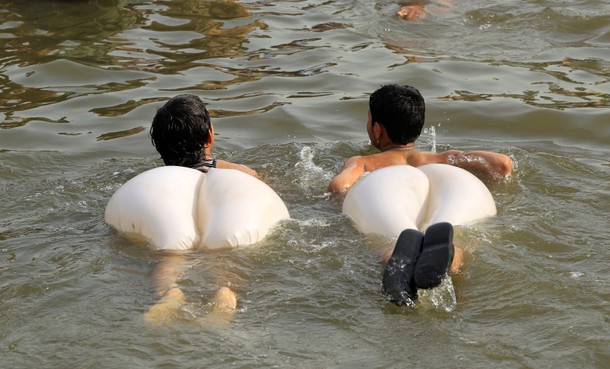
(493, 164)
(352, 170)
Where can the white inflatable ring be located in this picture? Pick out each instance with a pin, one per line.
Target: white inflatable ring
(177, 208)
(391, 199)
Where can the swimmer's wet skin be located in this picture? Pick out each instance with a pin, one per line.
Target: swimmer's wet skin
(418, 261)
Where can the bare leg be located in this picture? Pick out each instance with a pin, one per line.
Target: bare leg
(385, 256)
(458, 260)
(223, 303)
(166, 273)
(170, 268)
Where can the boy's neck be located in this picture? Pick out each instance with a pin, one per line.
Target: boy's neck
(207, 153)
(397, 147)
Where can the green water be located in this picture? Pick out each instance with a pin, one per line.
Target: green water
(287, 83)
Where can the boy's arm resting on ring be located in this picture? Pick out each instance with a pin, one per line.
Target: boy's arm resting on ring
(492, 164)
(352, 170)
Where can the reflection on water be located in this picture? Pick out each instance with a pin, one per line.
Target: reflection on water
(561, 91)
(287, 84)
(37, 32)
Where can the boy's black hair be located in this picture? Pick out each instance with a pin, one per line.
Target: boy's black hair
(180, 129)
(401, 110)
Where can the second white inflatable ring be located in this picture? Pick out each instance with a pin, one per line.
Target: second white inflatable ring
(395, 198)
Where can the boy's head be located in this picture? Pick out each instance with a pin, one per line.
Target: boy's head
(401, 110)
(180, 130)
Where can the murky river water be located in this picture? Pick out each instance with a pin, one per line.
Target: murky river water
(287, 83)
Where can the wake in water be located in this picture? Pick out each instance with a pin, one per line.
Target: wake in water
(312, 176)
(441, 297)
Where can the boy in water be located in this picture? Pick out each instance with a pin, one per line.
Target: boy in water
(395, 120)
(183, 134)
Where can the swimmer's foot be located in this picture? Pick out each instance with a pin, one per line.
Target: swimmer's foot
(397, 282)
(435, 257)
(164, 311)
(224, 305)
(224, 299)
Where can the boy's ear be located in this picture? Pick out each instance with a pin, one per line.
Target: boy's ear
(378, 130)
(210, 139)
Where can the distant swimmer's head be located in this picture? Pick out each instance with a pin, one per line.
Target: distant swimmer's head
(181, 129)
(401, 110)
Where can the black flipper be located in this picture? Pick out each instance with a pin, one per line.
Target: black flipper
(397, 282)
(435, 257)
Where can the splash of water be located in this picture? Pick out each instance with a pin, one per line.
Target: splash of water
(310, 175)
(431, 132)
(441, 297)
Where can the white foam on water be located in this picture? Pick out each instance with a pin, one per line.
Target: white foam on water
(440, 298)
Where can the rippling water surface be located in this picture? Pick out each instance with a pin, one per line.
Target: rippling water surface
(287, 83)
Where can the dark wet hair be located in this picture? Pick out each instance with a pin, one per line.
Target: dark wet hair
(180, 129)
(401, 110)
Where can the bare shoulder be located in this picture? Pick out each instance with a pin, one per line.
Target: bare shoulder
(384, 159)
(420, 158)
(354, 161)
(222, 164)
